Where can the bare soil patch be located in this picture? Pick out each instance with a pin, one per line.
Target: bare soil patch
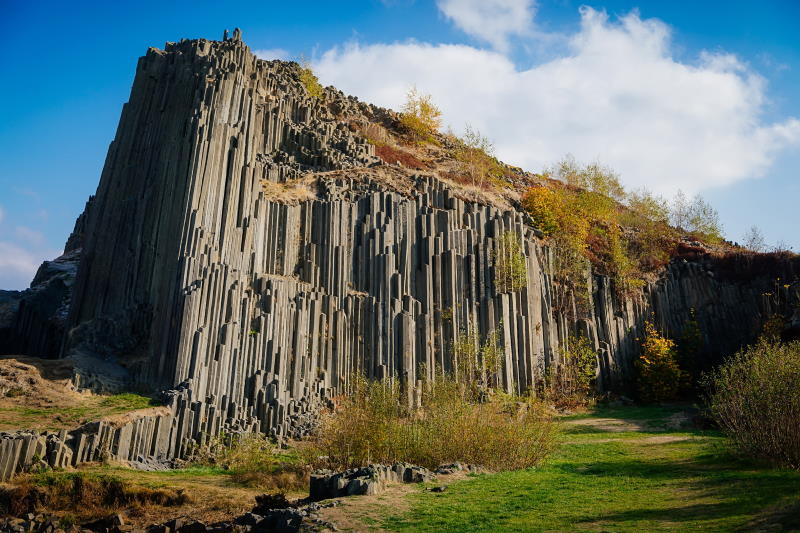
(363, 513)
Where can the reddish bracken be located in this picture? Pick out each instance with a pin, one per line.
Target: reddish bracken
(393, 156)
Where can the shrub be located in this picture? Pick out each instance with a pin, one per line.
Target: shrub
(696, 216)
(569, 382)
(372, 132)
(544, 207)
(420, 118)
(310, 80)
(510, 269)
(374, 424)
(248, 451)
(475, 152)
(253, 461)
(477, 365)
(754, 240)
(659, 376)
(690, 346)
(755, 399)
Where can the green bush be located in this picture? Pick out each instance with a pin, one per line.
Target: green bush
(375, 424)
(755, 398)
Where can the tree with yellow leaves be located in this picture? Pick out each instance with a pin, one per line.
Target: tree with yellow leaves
(420, 117)
(659, 376)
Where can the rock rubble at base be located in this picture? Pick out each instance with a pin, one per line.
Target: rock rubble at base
(272, 512)
(368, 480)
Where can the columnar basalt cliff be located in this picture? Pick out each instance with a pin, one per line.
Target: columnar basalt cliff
(198, 274)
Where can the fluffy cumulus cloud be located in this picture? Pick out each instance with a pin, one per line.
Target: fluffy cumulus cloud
(18, 264)
(22, 250)
(492, 21)
(615, 94)
(272, 53)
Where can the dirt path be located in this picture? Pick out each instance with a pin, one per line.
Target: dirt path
(363, 513)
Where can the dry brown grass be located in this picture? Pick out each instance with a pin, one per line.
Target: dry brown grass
(282, 478)
(374, 425)
(291, 192)
(85, 496)
(206, 494)
(374, 133)
(252, 461)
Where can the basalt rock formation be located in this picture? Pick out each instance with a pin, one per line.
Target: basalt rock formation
(247, 251)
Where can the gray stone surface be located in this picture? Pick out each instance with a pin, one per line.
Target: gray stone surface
(369, 480)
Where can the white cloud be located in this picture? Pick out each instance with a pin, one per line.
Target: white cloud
(492, 21)
(272, 53)
(17, 266)
(615, 94)
(22, 250)
(29, 236)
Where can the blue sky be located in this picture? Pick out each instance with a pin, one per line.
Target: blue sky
(699, 96)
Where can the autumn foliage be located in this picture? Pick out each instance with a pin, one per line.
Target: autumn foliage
(659, 376)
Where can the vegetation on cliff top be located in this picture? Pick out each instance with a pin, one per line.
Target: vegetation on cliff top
(583, 210)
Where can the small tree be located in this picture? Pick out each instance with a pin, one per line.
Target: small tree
(476, 154)
(492, 355)
(690, 346)
(510, 270)
(420, 117)
(697, 216)
(704, 219)
(309, 79)
(545, 207)
(465, 357)
(679, 211)
(660, 378)
(569, 383)
(754, 240)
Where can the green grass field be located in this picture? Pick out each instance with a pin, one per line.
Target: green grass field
(619, 469)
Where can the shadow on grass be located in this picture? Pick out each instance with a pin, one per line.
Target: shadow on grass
(734, 487)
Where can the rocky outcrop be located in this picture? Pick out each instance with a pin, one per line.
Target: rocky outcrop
(259, 307)
(146, 440)
(368, 480)
(33, 321)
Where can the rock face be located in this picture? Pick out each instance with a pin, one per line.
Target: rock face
(372, 479)
(196, 274)
(33, 321)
